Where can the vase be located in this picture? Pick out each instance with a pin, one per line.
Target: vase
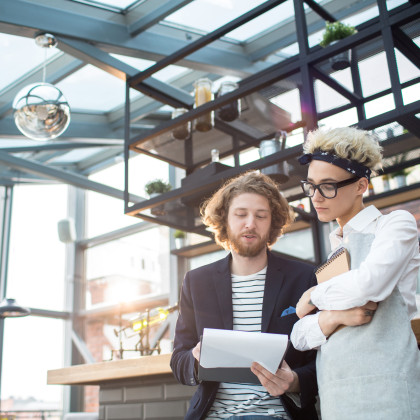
(231, 111)
(182, 132)
(203, 95)
(158, 210)
(400, 181)
(340, 61)
(278, 172)
(179, 243)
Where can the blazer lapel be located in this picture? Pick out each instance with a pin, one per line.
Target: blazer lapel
(273, 283)
(223, 284)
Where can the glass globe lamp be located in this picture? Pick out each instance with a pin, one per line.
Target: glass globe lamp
(41, 111)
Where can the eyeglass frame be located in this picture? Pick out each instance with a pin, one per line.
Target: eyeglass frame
(336, 186)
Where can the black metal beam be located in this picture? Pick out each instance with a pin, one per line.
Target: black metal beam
(338, 87)
(283, 70)
(205, 40)
(390, 53)
(330, 112)
(242, 131)
(60, 146)
(411, 123)
(155, 88)
(154, 17)
(406, 45)
(307, 93)
(198, 186)
(320, 11)
(390, 116)
(357, 83)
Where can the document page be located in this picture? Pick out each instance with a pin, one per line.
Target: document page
(238, 349)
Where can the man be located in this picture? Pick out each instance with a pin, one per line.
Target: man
(252, 290)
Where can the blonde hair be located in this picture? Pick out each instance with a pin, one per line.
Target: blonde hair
(215, 210)
(348, 143)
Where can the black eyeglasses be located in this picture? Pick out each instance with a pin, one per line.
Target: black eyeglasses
(327, 189)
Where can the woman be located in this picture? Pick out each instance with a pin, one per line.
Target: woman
(369, 371)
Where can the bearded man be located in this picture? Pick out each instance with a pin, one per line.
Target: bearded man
(249, 290)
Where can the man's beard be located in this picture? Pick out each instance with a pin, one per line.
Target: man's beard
(245, 250)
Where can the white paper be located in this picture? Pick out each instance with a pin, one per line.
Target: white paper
(227, 348)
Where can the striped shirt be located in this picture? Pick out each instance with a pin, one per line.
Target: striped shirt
(246, 399)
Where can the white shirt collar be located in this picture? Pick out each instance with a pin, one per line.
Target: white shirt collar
(358, 222)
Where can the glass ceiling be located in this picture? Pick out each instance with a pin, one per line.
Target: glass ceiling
(94, 93)
(113, 5)
(24, 55)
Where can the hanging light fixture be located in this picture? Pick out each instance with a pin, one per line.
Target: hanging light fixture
(10, 309)
(41, 110)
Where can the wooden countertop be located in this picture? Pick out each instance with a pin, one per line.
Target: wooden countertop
(98, 373)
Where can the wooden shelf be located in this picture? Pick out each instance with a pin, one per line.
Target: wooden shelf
(394, 197)
(98, 373)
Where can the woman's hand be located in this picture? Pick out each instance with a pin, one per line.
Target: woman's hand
(305, 306)
(330, 320)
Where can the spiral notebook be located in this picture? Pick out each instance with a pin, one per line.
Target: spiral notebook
(338, 263)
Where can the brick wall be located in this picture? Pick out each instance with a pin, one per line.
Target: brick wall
(157, 398)
(95, 341)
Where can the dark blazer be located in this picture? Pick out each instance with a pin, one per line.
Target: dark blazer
(206, 302)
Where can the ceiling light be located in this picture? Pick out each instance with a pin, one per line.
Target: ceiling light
(41, 110)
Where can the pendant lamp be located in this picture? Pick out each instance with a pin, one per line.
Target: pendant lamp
(41, 111)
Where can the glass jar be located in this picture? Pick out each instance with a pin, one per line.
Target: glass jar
(182, 132)
(232, 110)
(215, 155)
(280, 171)
(203, 95)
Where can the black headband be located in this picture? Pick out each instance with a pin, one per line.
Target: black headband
(351, 166)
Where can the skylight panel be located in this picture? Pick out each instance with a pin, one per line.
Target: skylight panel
(167, 74)
(19, 56)
(112, 5)
(208, 15)
(93, 89)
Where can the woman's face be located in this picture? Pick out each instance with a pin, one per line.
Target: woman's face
(348, 201)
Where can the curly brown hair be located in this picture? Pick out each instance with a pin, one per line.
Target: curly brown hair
(214, 211)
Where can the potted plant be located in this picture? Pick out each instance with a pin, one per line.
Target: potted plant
(385, 182)
(334, 31)
(179, 236)
(399, 177)
(154, 188)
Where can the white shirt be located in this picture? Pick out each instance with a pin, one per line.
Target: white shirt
(392, 261)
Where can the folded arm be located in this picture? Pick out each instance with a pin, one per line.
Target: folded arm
(312, 331)
(395, 247)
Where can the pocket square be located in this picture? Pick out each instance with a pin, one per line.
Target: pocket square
(288, 311)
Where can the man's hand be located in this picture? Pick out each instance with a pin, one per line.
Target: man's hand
(330, 320)
(304, 306)
(285, 379)
(196, 352)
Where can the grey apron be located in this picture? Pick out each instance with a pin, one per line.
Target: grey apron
(371, 371)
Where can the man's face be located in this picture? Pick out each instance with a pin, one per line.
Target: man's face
(249, 222)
